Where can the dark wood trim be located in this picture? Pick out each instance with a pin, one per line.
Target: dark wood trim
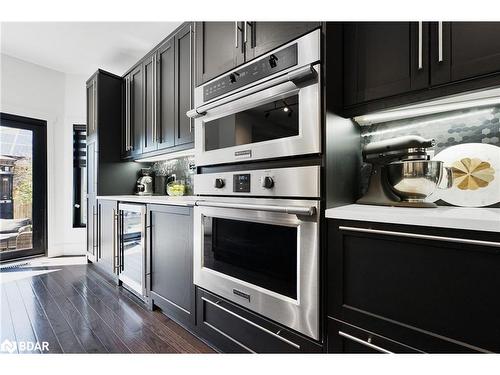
(39, 208)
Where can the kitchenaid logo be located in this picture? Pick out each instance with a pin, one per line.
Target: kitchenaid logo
(8, 346)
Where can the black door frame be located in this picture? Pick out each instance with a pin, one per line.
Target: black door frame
(39, 209)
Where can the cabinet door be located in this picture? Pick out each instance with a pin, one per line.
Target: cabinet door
(91, 227)
(92, 106)
(149, 136)
(166, 94)
(262, 37)
(136, 110)
(468, 50)
(415, 285)
(106, 211)
(171, 249)
(184, 86)
(218, 49)
(383, 59)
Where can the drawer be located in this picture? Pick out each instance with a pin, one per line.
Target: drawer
(420, 286)
(346, 338)
(233, 329)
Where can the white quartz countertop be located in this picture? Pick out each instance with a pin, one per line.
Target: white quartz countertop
(479, 219)
(154, 199)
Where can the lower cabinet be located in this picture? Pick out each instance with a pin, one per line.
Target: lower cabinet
(346, 338)
(106, 222)
(232, 329)
(171, 255)
(431, 289)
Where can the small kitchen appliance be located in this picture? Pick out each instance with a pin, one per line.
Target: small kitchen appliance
(144, 185)
(402, 172)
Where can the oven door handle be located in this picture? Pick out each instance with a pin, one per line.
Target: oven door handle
(295, 76)
(292, 210)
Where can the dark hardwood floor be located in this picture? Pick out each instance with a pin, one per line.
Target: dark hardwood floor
(76, 310)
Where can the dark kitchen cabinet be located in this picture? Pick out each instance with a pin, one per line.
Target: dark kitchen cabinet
(91, 167)
(107, 240)
(346, 338)
(390, 64)
(218, 49)
(107, 174)
(183, 86)
(221, 46)
(431, 289)
(166, 94)
(171, 256)
(468, 50)
(383, 59)
(158, 95)
(149, 104)
(232, 329)
(92, 106)
(263, 37)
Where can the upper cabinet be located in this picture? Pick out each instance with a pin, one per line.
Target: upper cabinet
(464, 50)
(387, 64)
(383, 59)
(133, 124)
(92, 106)
(218, 49)
(221, 46)
(158, 93)
(262, 37)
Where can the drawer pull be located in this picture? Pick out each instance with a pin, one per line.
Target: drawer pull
(252, 323)
(421, 236)
(365, 343)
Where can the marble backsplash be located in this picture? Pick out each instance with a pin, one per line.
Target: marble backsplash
(183, 168)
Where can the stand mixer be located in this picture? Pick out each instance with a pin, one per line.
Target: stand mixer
(402, 174)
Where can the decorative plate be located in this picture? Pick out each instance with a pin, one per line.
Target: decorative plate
(476, 175)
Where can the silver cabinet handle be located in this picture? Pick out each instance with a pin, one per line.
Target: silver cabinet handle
(421, 236)
(115, 236)
(127, 114)
(292, 210)
(365, 343)
(420, 64)
(95, 105)
(153, 60)
(217, 304)
(191, 51)
(235, 34)
(245, 32)
(440, 41)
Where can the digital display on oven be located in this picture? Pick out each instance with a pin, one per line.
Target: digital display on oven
(241, 183)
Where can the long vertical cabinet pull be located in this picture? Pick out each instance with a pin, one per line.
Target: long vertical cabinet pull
(191, 51)
(93, 229)
(146, 259)
(420, 62)
(95, 105)
(122, 237)
(127, 114)
(235, 34)
(440, 41)
(99, 247)
(153, 106)
(115, 241)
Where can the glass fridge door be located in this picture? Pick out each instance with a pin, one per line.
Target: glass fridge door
(132, 270)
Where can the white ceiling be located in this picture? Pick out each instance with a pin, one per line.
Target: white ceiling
(82, 47)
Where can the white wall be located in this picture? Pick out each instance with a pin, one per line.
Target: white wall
(34, 91)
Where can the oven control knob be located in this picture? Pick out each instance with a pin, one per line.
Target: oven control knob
(267, 182)
(219, 183)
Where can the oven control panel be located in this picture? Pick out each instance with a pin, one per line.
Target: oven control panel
(278, 182)
(263, 67)
(241, 183)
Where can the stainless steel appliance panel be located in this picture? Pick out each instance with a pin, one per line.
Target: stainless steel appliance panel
(261, 254)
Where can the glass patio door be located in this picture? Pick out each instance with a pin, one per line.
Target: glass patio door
(22, 187)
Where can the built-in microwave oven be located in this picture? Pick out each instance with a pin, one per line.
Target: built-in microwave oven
(268, 108)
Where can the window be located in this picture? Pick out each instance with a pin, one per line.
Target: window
(79, 176)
